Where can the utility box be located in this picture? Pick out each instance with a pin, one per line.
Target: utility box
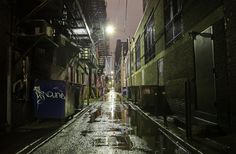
(53, 99)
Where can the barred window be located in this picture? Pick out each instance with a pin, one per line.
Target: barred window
(137, 49)
(149, 39)
(173, 20)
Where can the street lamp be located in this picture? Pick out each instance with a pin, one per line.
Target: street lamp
(110, 29)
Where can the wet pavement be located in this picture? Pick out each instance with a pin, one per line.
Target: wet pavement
(111, 126)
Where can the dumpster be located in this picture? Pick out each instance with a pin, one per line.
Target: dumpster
(52, 99)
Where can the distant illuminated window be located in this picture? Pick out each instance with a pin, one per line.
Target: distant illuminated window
(173, 20)
(149, 39)
(137, 51)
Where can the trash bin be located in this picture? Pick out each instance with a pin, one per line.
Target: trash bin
(53, 99)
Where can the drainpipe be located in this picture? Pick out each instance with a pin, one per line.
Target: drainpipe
(9, 88)
(90, 84)
(9, 74)
(188, 110)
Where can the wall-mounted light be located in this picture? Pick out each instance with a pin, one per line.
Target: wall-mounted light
(193, 35)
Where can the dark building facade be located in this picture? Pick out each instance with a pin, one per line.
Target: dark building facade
(120, 51)
(182, 52)
(49, 41)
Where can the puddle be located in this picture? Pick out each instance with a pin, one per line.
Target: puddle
(120, 142)
(117, 125)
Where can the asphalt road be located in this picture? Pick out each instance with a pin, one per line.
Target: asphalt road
(110, 126)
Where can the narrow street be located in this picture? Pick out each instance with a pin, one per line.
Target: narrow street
(110, 126)
(118, 76)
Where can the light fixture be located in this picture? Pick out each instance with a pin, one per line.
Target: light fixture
(110, 29)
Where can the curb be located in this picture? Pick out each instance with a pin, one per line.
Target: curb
(41, 141)
(165, 131)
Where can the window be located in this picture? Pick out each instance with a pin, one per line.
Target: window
(72, 74)
(82, 78)
(173, 20)
(149, 39)
(132, 62)
(160, 67)
(77, 76)
(137, 49)
(128, 65)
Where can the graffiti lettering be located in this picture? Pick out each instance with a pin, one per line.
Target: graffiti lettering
(42, 95)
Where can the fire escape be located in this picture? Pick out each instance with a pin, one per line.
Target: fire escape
(54, 23)
(52, 39)
(95, 11)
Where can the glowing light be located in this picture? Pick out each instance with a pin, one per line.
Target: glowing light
(110, 29)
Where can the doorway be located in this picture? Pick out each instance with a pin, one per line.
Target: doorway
(205, 75)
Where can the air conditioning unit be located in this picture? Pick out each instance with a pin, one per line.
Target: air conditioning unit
(38, 27)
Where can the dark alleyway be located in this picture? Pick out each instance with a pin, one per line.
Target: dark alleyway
(110, 126)
(113, 126)
(103, 76)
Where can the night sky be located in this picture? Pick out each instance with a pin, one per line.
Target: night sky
(116, 16)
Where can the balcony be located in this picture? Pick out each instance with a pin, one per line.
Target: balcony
(88, 57)
(101, 62)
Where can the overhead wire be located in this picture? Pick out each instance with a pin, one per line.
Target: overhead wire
(34, 10)
(117, 11)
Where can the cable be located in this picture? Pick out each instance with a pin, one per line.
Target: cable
(35, 10)
(126, 14)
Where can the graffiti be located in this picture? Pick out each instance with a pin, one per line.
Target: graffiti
(56, 93)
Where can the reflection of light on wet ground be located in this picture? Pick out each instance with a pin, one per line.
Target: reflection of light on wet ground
(109, 127)
(112, 100)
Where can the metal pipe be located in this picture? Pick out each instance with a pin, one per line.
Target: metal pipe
(9, 72)
(188, 112)
(90, 84)
(33, 11)
(9, 89)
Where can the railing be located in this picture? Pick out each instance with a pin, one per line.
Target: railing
(101, 62)
(89, 58)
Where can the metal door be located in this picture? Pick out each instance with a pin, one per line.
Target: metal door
(205, 77)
